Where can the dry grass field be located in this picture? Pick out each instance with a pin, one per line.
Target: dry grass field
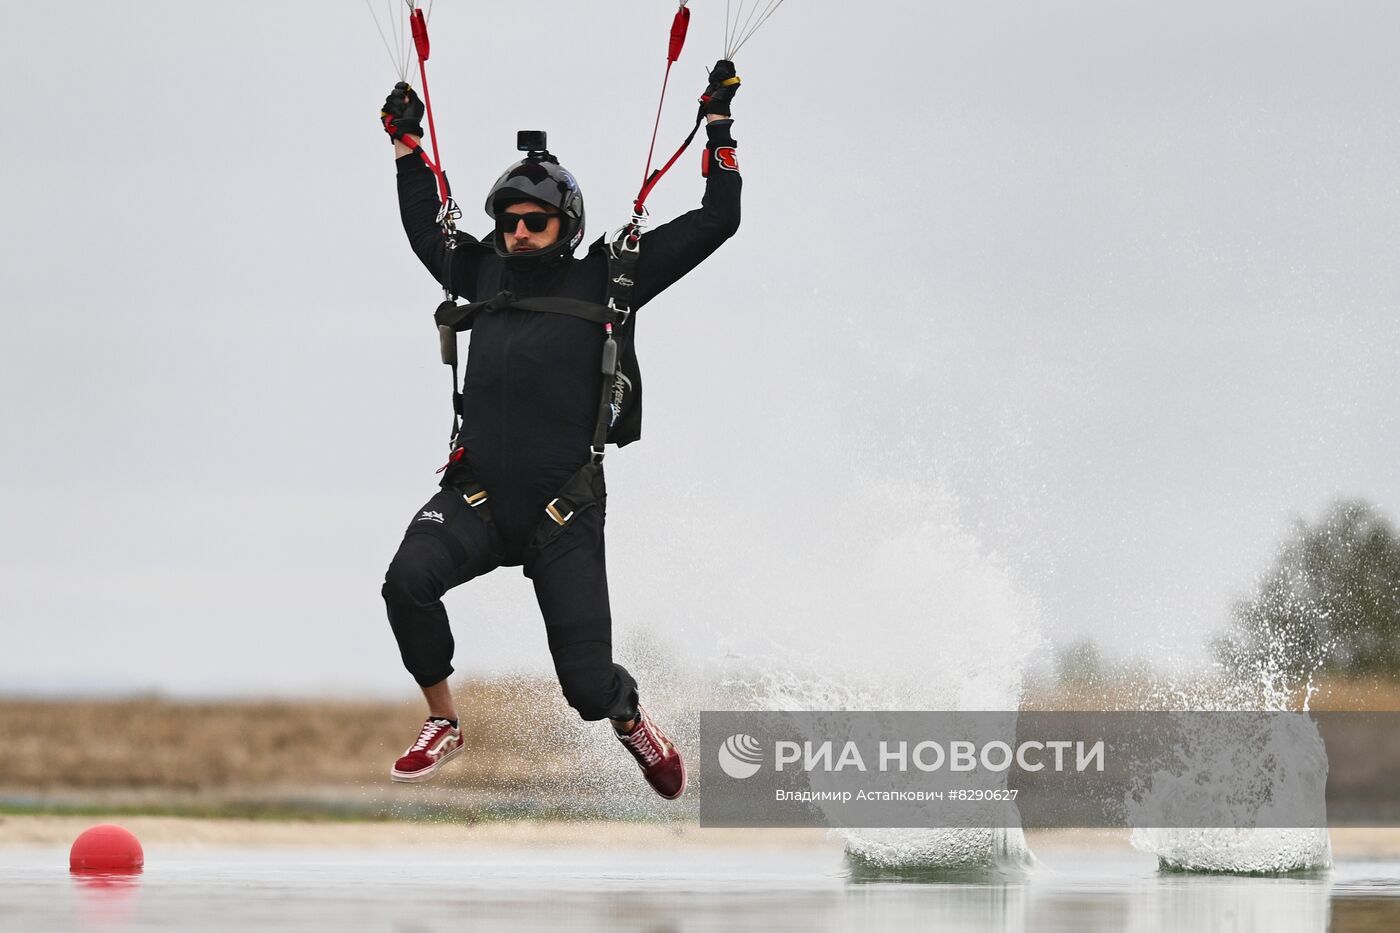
(330, 759)
(269, 757)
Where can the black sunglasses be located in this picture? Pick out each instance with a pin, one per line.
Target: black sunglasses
(535, 221)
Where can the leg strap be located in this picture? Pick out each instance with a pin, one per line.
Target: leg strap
(584, 490)
(457, 475)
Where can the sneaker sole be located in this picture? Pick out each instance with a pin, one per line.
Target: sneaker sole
(426, 774)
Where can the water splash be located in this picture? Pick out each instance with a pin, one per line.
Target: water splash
(918, 616)
(1258, 683)
(1237, 851)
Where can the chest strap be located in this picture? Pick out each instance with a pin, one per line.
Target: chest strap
(452, 319)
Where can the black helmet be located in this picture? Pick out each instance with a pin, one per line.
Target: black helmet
(539, 177)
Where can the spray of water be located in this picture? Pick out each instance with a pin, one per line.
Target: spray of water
(1298, 758)
(882, 603)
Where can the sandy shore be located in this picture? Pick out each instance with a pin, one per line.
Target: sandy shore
(19, 831)
(164, 831)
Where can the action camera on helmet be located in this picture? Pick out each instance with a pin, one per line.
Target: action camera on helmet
(531, 140)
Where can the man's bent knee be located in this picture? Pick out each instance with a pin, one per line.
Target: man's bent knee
(595, 687)
(417, 574)
(413, 587)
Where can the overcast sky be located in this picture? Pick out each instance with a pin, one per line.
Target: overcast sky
(1062, 310)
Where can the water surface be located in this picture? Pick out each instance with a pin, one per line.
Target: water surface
(409, 891)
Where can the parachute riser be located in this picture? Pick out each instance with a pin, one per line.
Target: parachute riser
(680, 25)
(449, 213)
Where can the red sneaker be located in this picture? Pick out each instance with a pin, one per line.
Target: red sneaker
(661, 761)
(438, 743)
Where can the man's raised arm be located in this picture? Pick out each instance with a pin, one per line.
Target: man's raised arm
(674, 248)
(419, 204)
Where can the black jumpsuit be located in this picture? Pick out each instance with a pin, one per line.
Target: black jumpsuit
(529, 407)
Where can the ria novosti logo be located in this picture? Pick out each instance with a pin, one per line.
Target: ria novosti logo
(740, 756)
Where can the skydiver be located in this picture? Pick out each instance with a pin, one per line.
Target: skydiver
(518, 490)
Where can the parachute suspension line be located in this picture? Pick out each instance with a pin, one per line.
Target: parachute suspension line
(397, 59)
(727, 25)
(735, 35)
(738, 30)
(401, 42)
(679, 25)
(403, 39)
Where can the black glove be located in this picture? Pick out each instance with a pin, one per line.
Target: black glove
(402, 114)
(724, 84)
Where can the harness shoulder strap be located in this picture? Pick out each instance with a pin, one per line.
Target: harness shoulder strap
(622, 274)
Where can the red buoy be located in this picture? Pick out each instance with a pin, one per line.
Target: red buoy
(106, 848)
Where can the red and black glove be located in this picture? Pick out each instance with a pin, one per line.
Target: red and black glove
(402, 114)
(724, 84)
